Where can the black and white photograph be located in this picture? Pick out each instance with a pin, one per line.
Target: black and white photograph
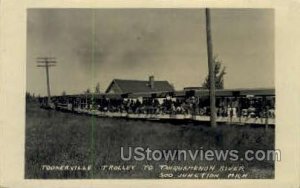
(156, 93)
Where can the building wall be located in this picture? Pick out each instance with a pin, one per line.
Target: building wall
(114, 89)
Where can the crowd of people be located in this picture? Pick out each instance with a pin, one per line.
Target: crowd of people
(233, 107)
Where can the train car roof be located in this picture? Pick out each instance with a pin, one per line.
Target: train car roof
(228, 92)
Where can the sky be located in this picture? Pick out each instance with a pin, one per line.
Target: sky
(97, 45)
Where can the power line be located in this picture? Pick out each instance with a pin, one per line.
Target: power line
(47, 62)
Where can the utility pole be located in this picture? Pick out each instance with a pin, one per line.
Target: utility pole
(211, 69)
(47, 62)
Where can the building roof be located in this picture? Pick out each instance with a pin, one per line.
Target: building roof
(139, 86)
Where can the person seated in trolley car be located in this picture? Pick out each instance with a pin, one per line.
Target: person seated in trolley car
(251, 112)
(220, 112)
(244, 112)
(271, 113)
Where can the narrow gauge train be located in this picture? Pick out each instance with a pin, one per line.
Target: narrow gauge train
(235, 106)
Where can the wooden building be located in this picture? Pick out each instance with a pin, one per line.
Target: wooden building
(119, 86)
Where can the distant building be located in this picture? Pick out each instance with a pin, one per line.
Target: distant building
(119, 86)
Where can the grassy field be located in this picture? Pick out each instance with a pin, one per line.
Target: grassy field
(57, 138)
